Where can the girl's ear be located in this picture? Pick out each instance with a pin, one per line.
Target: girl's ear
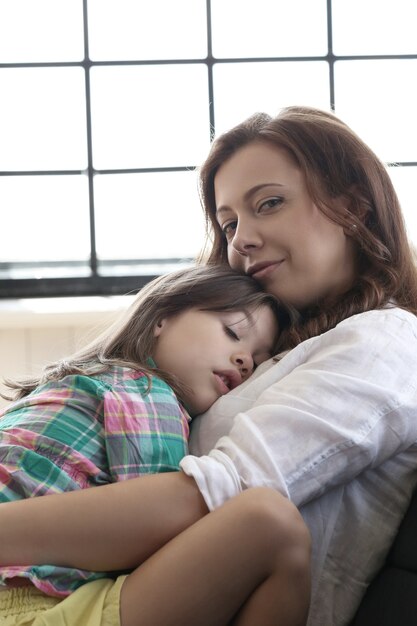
(159, 327)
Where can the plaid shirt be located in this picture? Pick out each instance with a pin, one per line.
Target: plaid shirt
(84, 431)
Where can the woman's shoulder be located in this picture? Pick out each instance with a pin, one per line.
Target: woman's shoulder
(376, 335)
(391, 314)
(384, 321)
(355, 339)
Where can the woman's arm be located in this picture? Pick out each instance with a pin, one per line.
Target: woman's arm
(111, 527)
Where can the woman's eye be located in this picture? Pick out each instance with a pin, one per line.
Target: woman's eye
(231, 333)
(229, 229)
(271, 203)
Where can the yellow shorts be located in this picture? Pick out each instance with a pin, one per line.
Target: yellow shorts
(93, 604)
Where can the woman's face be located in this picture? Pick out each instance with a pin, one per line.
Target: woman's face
(275, 232)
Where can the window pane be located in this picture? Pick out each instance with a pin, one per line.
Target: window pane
(42, 119)
(46, 218)
(241, 89)
(404, 179)
(374, 27)
(149, 116)
(155, 215)
(41, 31)
(242, 28)
(379, 99)
(161, 29)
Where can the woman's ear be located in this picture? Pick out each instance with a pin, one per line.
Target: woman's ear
(352, 210)
(356, 205)
(159, 327)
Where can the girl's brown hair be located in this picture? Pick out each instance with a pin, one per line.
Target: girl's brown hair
(129, 342)
(336, 163)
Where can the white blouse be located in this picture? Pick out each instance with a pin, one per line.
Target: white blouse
(332, 425)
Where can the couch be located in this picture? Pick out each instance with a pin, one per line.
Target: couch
(391, 599)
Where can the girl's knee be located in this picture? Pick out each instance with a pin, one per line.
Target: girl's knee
(277, 522)
(271, 506)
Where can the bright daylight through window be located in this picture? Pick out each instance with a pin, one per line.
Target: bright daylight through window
(108, 106)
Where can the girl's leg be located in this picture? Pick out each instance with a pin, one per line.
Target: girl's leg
(246, 563)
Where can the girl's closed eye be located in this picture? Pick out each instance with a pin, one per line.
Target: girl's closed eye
(231, 333)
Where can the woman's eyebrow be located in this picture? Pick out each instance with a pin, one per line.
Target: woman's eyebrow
(247, 195)
(222, 209)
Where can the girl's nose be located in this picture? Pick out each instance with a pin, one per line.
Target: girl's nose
(244, 363)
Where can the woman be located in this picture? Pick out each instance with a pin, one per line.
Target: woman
(303, 205)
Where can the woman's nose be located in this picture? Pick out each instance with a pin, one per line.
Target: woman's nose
(244, 363)
(245, 239)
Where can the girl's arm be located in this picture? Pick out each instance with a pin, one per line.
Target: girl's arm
(113, 527)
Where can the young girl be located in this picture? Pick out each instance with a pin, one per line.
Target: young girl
(121, 407)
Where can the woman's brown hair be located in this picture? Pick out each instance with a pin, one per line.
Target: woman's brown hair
(336, 163)
(129, 342)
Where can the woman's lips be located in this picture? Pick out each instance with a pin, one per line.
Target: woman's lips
(261, 270)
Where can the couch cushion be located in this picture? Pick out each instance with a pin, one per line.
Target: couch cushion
(403, 553)
(391, 599)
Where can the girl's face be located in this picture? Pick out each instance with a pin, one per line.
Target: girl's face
(275, 232)
(212, 352)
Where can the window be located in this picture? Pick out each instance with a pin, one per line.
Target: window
(108, 106)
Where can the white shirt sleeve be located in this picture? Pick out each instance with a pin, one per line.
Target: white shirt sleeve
(332, 407)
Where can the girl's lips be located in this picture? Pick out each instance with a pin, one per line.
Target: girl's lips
(221, 385)
(227, 380)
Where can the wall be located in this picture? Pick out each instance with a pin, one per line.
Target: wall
(36, 331)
